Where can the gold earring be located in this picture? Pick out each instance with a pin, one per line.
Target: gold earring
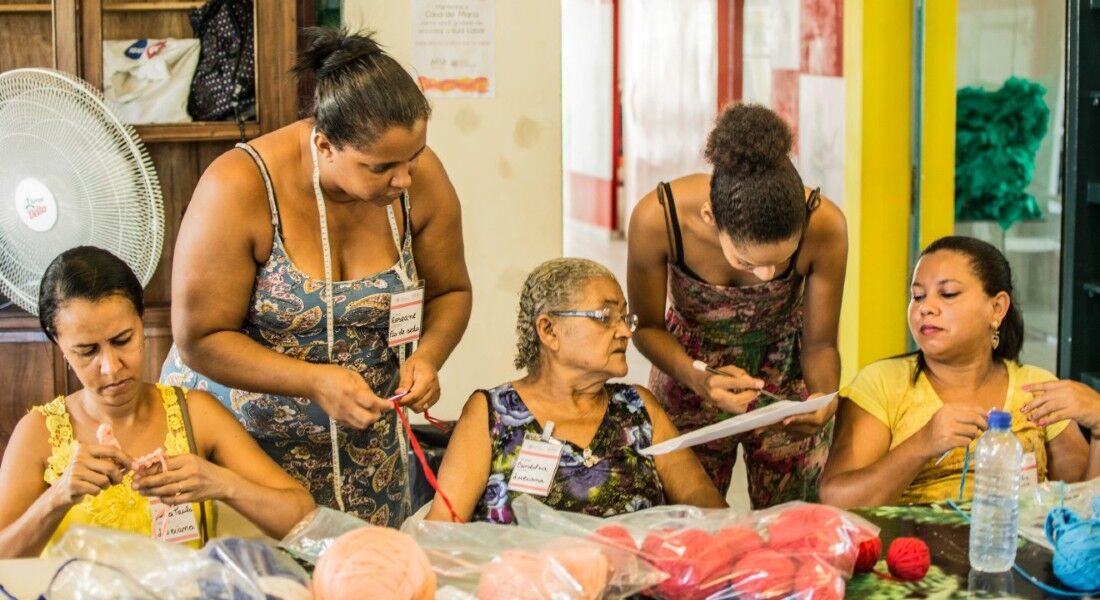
(996, 338)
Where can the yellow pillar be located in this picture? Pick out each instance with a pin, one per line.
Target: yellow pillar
(878, 87)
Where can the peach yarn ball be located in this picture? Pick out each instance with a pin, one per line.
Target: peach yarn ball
(552, 573)
(374, 562)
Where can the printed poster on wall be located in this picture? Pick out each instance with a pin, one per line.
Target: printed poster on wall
(452, 47)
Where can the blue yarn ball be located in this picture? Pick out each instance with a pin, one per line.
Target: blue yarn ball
(1076, 547)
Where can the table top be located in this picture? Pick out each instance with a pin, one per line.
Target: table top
(947, 535)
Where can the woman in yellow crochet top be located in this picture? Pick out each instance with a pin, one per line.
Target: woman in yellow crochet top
(60, 468)
(901, 415)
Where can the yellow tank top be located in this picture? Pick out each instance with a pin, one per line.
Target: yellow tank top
(119, 506)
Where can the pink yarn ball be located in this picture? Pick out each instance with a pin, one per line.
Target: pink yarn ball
(763, 574)
(374, 562)
(819, 579)
(578, 572)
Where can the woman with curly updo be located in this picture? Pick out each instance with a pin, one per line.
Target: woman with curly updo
(753, 270)
(573, 330)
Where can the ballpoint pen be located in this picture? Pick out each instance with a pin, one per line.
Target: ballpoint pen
(702, 366)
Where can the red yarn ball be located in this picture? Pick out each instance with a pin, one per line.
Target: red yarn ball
(815, 529)
(908, 558)
(817, 579)
(870, 550)
(679, 554)
(763, 575)
(618, 536)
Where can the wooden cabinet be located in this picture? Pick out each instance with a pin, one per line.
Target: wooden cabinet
(68, 35)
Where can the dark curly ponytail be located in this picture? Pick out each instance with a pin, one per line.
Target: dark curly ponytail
(755, 191)
(360, 90)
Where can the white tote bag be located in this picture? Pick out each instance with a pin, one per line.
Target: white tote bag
(147, 80)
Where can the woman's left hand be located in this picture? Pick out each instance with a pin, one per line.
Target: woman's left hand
(1054, 401)
(810, 423)
(189, 478)
(420, 380)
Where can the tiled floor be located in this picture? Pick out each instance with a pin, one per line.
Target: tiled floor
(598, 246)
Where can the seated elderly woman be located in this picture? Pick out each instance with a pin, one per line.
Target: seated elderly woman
(905, 423)
(573, 331)
(93, 457)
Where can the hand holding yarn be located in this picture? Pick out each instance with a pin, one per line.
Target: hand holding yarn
(185, 478)
(92, 469)
(953, 426)
(374, 562)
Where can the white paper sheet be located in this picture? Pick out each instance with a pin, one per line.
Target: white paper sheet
(761, 417)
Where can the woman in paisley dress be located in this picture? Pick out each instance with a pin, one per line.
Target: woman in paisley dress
(72, 460)
(572, 330)
(753, 271)
(350, 197)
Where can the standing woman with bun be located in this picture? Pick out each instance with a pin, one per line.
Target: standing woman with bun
(349, 199)
(753, 270)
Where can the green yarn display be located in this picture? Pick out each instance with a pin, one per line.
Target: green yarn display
(996, 137)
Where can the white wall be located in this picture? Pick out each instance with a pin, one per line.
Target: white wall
(504, 156)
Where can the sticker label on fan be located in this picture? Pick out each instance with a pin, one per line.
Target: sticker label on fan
(1029, 475)
(181, 524)
(534, 469)
(406, 310)
(35, 205)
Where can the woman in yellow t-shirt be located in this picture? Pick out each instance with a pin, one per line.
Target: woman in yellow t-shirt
(902, 415)
(60, 468)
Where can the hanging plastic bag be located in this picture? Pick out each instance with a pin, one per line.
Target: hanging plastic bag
(107, 563)
(148, 80)
(490, 562)
(795, 550)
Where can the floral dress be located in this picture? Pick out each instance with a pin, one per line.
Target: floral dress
(119, 506)
(607, 478)
(757, 328)
(287, 315)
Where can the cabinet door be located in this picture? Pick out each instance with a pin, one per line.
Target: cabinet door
(30, 364)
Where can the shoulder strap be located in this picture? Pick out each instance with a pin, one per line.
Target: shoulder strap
(266, 176)
(672, 223)
(811, 204)
(181, 399)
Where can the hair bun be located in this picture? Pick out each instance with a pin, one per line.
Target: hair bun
(748, 139)
(328, 50)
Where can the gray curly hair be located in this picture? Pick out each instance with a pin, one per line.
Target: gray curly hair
(553, 285)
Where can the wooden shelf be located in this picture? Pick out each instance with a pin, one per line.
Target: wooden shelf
(150, 6)
(197, 131)
(29, 7)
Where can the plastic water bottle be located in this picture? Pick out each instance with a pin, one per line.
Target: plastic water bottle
(994, 514)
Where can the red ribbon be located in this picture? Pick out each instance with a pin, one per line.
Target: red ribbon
(424, 461)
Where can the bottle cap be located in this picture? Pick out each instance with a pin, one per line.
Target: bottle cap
(999, 419)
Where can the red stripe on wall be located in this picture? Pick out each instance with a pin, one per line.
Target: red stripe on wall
(730, 29)
(591, 200)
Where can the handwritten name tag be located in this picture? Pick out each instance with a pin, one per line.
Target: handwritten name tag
(406, 310)
(181, 526)
(534, 469)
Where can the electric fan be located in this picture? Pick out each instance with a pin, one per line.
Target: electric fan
(71, 174)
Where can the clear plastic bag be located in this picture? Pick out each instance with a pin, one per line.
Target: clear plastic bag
(268, 569)
(794, 550)
(107, 563)
(1037, 500)
(490, 562)
(314, 534)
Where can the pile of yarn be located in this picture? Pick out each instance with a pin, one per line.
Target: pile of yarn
(1076, 546)
(374, 562)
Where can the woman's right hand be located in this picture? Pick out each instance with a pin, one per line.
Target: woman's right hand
(345, 396)
(953, 426)
(92, 469)
(732, 392)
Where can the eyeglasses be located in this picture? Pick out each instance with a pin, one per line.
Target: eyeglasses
(604, 316)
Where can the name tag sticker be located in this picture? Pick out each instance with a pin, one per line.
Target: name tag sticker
(534, 469)
(1029, 475)
(406, 311)
(181, 524)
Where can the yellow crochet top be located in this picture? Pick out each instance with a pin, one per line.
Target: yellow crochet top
(119, 506)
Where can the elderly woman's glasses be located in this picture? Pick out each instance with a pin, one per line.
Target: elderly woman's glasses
(605, 316)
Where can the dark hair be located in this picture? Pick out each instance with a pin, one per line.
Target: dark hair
(755, 191)
(84, 272)
(360, 90)
(992, 269)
